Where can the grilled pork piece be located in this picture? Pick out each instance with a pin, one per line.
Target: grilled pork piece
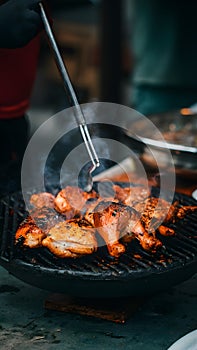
(42, 199)
(71, 239)
(36, 226)
(71, 200)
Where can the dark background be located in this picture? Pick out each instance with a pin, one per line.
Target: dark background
(94, 39)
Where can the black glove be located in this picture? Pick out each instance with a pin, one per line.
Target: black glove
(20, 21)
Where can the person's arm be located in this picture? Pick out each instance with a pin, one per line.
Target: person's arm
(20, 22)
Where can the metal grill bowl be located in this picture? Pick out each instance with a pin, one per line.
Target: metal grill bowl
(135, 273)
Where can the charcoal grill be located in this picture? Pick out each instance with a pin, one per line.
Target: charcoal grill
(135, 273)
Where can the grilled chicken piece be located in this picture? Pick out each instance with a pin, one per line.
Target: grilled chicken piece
(131, 214)
(45, 218)
(177, 211)
(149, 242)
(29, 234)
(110, 220)
(158, 211)
(131, 195)
(89, 208)
(71, 239)
(166, 231)
(115, 221)
(42, 199)
(153, 212)
(36, 226)
(71, 200)
(135, 229)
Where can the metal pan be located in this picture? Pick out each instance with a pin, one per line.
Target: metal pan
(179, 133)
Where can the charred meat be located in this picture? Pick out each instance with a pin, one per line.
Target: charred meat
(67, 224)
(136, 230)
(71, 200)
(110, 220)
(153, 212)
(30, 234)
(36, 226)
(131, 195)
(178, 211)
(43, 199)
(71, 238)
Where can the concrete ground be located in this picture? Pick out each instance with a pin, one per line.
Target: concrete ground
(25, 324)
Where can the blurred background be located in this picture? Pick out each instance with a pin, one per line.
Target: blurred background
(94, 39)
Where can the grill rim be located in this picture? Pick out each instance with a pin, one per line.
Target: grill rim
(107, 273)
(83, 275)
(83, 284)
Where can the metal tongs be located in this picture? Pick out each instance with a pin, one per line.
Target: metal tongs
(79, 116)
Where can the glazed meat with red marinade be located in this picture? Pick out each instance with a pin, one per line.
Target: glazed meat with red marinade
(71, 200)
(67, 224)
(36, 226)
(71, 238)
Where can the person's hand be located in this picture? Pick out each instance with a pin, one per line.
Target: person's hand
(20, 21)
